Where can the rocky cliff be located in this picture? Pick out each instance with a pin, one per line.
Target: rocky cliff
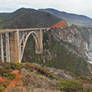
(75, 36)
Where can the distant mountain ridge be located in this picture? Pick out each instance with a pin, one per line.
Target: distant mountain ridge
(70, 18)
(26, 18)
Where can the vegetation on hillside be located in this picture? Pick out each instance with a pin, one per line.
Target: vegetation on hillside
(55, 55)
(33, 76)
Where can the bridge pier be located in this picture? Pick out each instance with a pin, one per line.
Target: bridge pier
(7, 48)
(14, 47)
(2, 48)
(39, 45)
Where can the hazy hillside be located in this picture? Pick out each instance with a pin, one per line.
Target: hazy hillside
(4, 16)
(26, 17)
(71, 18)
(23, 18)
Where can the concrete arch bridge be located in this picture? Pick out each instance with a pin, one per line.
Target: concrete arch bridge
(13, 42)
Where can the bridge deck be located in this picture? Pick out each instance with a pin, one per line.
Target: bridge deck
(25, 29)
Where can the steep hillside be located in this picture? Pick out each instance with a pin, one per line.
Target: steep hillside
(25, 18)
(58, 52)
(71, 18)
(4, 16)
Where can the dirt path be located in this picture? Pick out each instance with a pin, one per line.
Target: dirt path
(2, 79)
(16, 81)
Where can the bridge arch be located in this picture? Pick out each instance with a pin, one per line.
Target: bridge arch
(37, 44)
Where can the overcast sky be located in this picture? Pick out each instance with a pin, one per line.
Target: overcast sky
(83, 7)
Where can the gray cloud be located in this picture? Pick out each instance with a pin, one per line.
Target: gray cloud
(83, 7)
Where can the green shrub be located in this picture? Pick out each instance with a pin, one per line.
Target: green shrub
(8, 75)
(3, 85)
(70, 85)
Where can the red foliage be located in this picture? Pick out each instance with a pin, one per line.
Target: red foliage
(61, 23)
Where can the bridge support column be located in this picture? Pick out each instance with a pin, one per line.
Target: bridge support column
(2, 48)
(39, 46)
(18, 47)
(14, 47)
(7, 48)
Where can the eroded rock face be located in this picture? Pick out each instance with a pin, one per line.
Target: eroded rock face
(63, 74)
(60, 24)
(77, 37)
